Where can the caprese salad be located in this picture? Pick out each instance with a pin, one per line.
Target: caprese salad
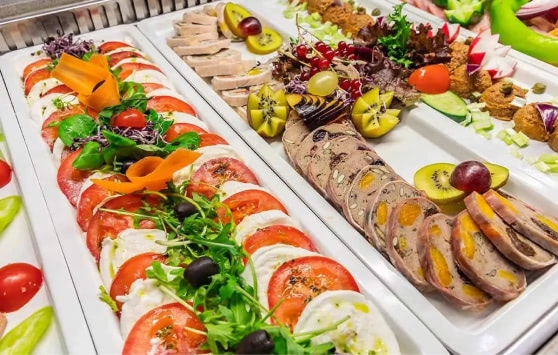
(193, 253)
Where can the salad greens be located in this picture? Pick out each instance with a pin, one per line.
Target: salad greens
(396, 42)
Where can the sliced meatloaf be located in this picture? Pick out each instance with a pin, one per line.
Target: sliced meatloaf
(532, 223)
(366, 185)
(329, 156)
(476, 257)
(402, 238)
(437, 261)
(344, 173)
(316, 139)
(511, 243)
(293, 135)
(379, 210)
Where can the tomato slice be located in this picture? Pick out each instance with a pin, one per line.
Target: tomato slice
(34, 77)
(162, 104)
(431, 79)
(70, 179)
(115, 58)
(248, 202)
(208, 139)
(112, 45)
(106, 224)
(19, 282)
(41, 63)
(149, 87)
(58, 89)
(132, 270)
(129, 68)
(169, 324)
(92, 197)
(300, 280)
(277, 234)
(50, 134)
(177, 129)
(213, 173)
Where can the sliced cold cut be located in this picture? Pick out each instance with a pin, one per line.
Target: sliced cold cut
(211, 46)
(379, 210)
(192, 39)
(316, 139)
(328, 156)
(402, 238)
(440, 269)
(229, 82)
(512, 244)
(363, 191)
(226, 55)
(476, 257)
(225, 68)
(525, 219)
(292, 137)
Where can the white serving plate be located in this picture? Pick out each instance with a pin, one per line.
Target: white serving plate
(413, 336)
(31, 238)
(424, 136)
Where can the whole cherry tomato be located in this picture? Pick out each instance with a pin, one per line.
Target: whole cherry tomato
(431, 79)
(5, 173)
(129, 118)
(19, 282)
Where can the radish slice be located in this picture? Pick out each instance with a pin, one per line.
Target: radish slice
(451, 31)
(536, 8)
(472, 68)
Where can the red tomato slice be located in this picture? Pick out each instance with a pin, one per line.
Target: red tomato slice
(106, 224)
(178, 129)
(169, 323)
(208, 139)
(35, 77)
(50, 134)
(41, 63)
(163, 104)
(277, 234)
(19, 282)
(129, 68)
(431, 79)
(92, 197)
(71, 179)
(248, 202)
(149, 87)
(130, 271)
(115, 58)
(112, 45)
(300, 280)
(58, 89)
(213, 173)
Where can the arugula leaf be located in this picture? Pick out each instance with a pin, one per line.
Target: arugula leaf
(160, 123)
(76, 126)
(89, 158)
(188, 140)
(105, 297)
(220, 334)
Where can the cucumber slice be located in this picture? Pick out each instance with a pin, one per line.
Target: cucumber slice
(449, 104)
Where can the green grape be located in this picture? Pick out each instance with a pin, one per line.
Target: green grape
(323, 83)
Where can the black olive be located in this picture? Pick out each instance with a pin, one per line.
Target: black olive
(125, 165)
(258, 342)
(199, 271)
(184, 209)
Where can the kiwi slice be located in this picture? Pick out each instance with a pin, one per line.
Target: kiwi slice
(266, 42)
(499, 175)
(434, 180)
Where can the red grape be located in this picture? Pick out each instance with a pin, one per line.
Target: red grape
(250, 26)
(471, 176)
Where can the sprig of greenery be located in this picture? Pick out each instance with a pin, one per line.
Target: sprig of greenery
(396, 42)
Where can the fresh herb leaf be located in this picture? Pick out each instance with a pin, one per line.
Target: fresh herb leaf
(117, 140)
(188, 140)
(396, 42)
(90, 157)
(105, 297)
(75, 127)
(160, 123)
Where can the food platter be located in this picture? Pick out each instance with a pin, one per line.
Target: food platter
(423, 137)
(412, 335)
(30, 238)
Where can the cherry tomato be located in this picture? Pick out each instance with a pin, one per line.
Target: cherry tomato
(312, 276)
(248, 202)
(178, 129)
(5, 173)
(277, 234)
(168, 323)
(431, 79)
(34, 77)
(129, 118)
(162, 104)
(111, 45)
(71, 179)
(41, 63)
(213, 173)
(132, 270)
(19, 282)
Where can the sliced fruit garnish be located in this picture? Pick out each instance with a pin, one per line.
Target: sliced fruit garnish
(267, 111)
(499, 175)
(486, 51)
(434, 180)
(234, 14)
(266, 42)
(371, 114)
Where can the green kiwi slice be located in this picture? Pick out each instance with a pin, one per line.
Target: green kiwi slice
(434, 180)
(498, 174)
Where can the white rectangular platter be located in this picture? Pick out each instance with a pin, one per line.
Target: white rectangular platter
(31, 238)
(424, 137)
(413, 336)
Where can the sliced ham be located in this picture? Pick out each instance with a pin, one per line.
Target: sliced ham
(225, 68)
(203, 47)
(188, 29)
(178, 41)
(199, 18)
(228, 54)
(229, 82)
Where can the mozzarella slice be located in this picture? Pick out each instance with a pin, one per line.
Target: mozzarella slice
(132, 60)
(23, 62)
(150, 76)
(365, 332)
(44, 107)
(268, 259)
(181, 117)
(57, 150)
(87, 183)
(144, 295)
(230, 188)
(166, 92)
(123, 49)
(128, 243)
(252, 223)
(207, 153)
(40, 88)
